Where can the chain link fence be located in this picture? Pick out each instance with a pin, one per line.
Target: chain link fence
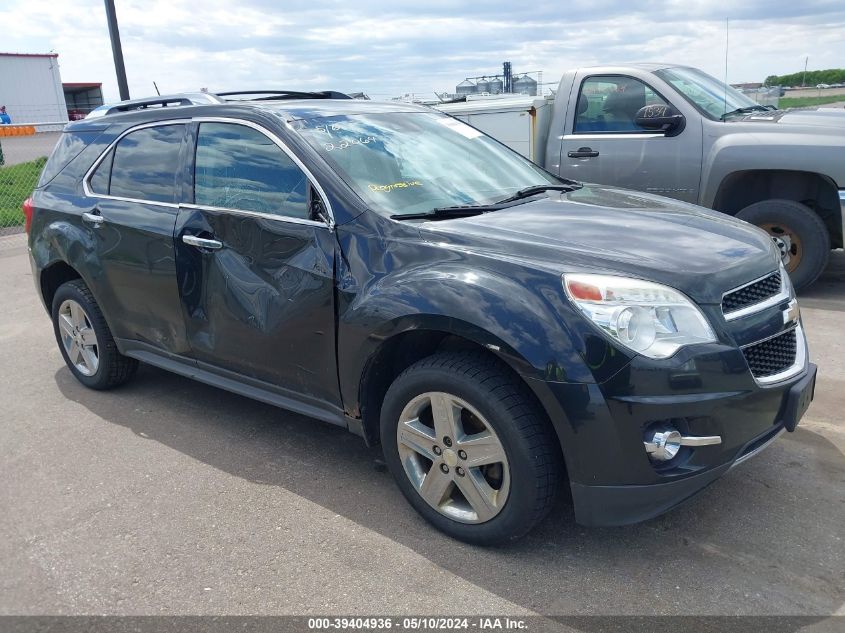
(23, 151)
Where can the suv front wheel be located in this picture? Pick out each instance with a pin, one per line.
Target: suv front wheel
(85, 340)
(469, 448)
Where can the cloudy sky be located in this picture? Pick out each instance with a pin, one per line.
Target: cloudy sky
(386, 48)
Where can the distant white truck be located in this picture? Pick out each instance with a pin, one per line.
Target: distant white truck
(676, 131)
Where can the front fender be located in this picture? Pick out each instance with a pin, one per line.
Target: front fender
(520, 318)
(771, 151)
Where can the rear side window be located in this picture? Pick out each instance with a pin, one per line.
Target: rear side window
(145, 163)
(68, 147)
(238, 167)
(99, 182)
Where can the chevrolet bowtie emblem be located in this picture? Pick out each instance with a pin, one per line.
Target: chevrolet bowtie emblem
(792, 312)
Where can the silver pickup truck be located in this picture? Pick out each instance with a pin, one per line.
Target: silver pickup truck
(678, 132)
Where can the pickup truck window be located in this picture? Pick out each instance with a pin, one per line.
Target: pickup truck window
(610, 103)
(709, 96)
(412, 162)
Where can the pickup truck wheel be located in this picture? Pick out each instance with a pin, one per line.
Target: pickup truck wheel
(85, 341)
(469, 448)
(799, 232)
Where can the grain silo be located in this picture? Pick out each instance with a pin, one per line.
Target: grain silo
(466, 87)
(525, 85)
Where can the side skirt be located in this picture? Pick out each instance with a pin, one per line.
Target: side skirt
(236, 383)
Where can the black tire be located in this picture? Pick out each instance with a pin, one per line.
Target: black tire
(529, 443)
(113, 368)
(812, 248)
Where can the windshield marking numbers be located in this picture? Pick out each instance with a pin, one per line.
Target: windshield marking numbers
(364, 140)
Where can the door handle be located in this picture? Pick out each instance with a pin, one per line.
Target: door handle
(202, 242)
(583, 152)
(93, 218)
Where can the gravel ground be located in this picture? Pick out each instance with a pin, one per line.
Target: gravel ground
(171, 497)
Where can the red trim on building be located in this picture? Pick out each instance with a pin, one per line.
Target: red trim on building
(83, 84)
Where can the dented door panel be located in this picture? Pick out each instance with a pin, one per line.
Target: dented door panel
(262, 304)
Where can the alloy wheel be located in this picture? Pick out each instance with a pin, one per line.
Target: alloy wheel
(78, 338)
(453, 457)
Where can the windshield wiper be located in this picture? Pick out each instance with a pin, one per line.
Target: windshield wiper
(535, 189)
(748, 110)
(468, 210)
(443, 213)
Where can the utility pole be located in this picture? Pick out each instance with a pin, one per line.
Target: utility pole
(117, 50)
(727, 42)
(804, 78)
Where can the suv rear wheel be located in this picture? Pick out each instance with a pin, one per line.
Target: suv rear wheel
(469, 448)
(85, 340)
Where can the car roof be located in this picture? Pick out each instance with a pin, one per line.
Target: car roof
(287, 109)
(648, 66)
(307, 109)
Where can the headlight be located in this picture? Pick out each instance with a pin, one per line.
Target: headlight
(648, 318)
(785, 280)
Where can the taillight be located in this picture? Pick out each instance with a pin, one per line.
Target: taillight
(27, 213)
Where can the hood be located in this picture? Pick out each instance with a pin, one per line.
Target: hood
(602, 229)
(833, 119)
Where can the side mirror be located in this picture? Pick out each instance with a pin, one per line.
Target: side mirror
(660, 117)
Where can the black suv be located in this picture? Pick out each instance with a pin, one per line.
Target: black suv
(392, 270)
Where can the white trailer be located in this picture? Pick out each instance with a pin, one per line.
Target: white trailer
(520, 122)
(31, 88)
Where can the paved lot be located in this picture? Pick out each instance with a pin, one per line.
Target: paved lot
(19, 149)
(168, 496)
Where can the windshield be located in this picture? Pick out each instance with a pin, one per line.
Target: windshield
(709, 95)
(413, 162)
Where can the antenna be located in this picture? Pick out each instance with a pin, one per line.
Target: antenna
(727, 42)
(156, 87)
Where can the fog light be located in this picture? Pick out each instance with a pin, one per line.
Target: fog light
(663, 445)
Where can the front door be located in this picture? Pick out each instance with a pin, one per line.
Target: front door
(255, 271)
(604, 144)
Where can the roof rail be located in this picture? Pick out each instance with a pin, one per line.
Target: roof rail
(163, 101)
(206, 98)
(271, 95)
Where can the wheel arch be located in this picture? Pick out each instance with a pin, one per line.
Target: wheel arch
(399, 351)
(739, 189)
(51, 279)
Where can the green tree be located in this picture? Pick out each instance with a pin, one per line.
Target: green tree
(813, 78)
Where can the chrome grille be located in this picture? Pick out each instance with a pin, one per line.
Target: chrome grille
(773, 355)
(752, 293)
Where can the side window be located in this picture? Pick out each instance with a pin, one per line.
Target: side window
(69, 146)
(610, 103)
(145, 164)
(99, 181)
(238, 167)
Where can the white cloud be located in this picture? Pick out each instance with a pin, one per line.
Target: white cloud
(386, 48)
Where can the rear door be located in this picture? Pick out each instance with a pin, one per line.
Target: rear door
(604, 144)
(255, 269)
(132, 192)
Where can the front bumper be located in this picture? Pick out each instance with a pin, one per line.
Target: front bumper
(703, 393)
(621, 505)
